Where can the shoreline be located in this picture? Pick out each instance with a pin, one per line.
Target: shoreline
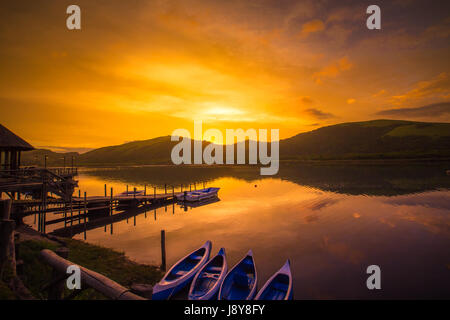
(33, 274)
(368, 161)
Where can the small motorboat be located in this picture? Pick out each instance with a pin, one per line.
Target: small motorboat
(198, 195)
(181, 273)
(241, 282)
(131, 193)
(207, 281)
(279, 286)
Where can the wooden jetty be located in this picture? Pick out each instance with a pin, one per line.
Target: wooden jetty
(82, 222)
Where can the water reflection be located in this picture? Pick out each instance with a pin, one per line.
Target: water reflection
(331, 227)
(391, 179)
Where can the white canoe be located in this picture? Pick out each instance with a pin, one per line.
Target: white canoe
(198, 195)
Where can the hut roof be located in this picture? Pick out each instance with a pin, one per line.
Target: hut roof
(9, 140)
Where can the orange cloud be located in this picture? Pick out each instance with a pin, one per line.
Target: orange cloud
(312, 27)
(332, 70)
(438, 87)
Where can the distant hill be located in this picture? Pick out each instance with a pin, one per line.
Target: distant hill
(54, 159)
(370, 140)
(375, 139)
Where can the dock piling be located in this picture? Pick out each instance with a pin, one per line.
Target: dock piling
(163, 250)
(85, 207)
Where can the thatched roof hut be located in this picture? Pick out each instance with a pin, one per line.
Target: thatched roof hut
(11, 146)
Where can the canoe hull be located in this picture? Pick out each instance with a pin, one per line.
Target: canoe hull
(214, 271)
(181, 273)
(241, 282)
(279, 286)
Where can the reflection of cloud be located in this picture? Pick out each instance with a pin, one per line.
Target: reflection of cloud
(311, 218)
(387, 222)
(431, 110)
(434, 222)
(321, 203)
(434, 218)
(317, 114)
(436, 200)
(356, 215)
(342, 251)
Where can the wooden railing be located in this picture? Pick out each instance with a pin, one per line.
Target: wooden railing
(89, 279)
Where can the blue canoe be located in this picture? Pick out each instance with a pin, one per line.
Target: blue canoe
(207, 281)
(279, 286)
(241, 282)
(181, 273)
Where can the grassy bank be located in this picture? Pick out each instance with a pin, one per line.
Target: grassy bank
(112, 264)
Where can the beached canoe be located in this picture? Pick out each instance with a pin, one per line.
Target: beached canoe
(241, 282)
(181, 273)
(207, 281)
(198, 195)
(279, 286)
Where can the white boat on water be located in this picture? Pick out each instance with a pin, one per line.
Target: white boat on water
(131, 193)
(198, 195)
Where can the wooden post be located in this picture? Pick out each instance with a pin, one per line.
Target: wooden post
(154, 192)
(85, 207)
(190, 187)
(105, 190)
(71, 209)
(195, 187)
(185, 194)
(79, 193)
(173, 192)
(145, 189)
(127, 190)
(56, 288)
(5, 209)
(165, 188)
(7, 247)
(111, 203)
(134, 192)
(181, 188)
(163, 250)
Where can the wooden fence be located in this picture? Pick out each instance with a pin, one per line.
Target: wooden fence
(89, 278)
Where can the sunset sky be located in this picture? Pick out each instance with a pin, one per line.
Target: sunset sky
(140, 69)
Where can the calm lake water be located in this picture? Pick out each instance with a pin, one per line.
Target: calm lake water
(332, 222)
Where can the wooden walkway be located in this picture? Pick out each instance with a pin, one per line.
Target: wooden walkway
(85, 213)
(92, 203)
